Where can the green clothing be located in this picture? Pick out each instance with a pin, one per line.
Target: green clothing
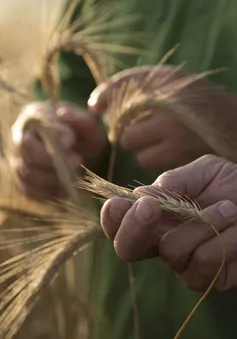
(206, 31)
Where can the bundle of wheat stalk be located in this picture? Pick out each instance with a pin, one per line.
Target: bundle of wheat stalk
(87, 36)
(46, 240)
(28, 272)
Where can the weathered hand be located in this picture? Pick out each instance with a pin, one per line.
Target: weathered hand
(191, 249)
(159, 141)
(80, 137)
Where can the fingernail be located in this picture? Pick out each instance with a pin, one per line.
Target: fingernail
(117, 209)
(143, 211)
(92, 100)
(228, 209)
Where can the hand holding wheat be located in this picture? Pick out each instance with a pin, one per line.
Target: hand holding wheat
(80, 137)
(190, 249)
(167, 116)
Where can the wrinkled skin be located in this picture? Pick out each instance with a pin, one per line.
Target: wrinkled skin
(190, 249)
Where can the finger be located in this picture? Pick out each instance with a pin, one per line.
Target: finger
(147, 132)
(112, 214)
(33, 151)
(37, 178)
(229, 279)
(178, 245)
(38, 193)
(101, 96)
(193, 178)
(206, 262)
(86, 128)
(44, 110)
(43, 178)
(136, 233)
(161, 155)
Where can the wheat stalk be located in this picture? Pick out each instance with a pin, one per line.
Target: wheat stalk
(41, 125)
(41, 277)
(91, 44)
(116, 124)
(33, 269)
(90, 36)
(87, 44)
(136, 99)
(181, 208)
(10, 88)
(84, 37)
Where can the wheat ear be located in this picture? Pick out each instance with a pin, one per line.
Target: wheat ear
(180, 208)
(20, 296)
(88, 37)
(136, 100)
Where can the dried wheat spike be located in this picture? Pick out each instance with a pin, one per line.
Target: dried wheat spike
(180, 208)
(12, 89)
(137, 99)
(43, 244)
(93, 36)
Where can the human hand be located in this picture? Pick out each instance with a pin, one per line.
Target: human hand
(159, 141)
(81, 139)
(191, 249)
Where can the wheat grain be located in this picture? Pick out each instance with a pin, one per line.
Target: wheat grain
(35, 268)
(181, 208)
(136, 99)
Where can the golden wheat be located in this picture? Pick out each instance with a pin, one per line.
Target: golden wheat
(179, 207)
(182, 209)
(34, 268)
(136, 99)
(90, 36)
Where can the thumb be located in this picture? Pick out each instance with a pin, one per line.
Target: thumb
(99, 98)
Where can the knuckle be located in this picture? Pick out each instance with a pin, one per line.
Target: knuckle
(172, 255)
(195, 285)
(210, 158)
(168, 178)
(167, 250)
(195, 281)
(200, 259)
